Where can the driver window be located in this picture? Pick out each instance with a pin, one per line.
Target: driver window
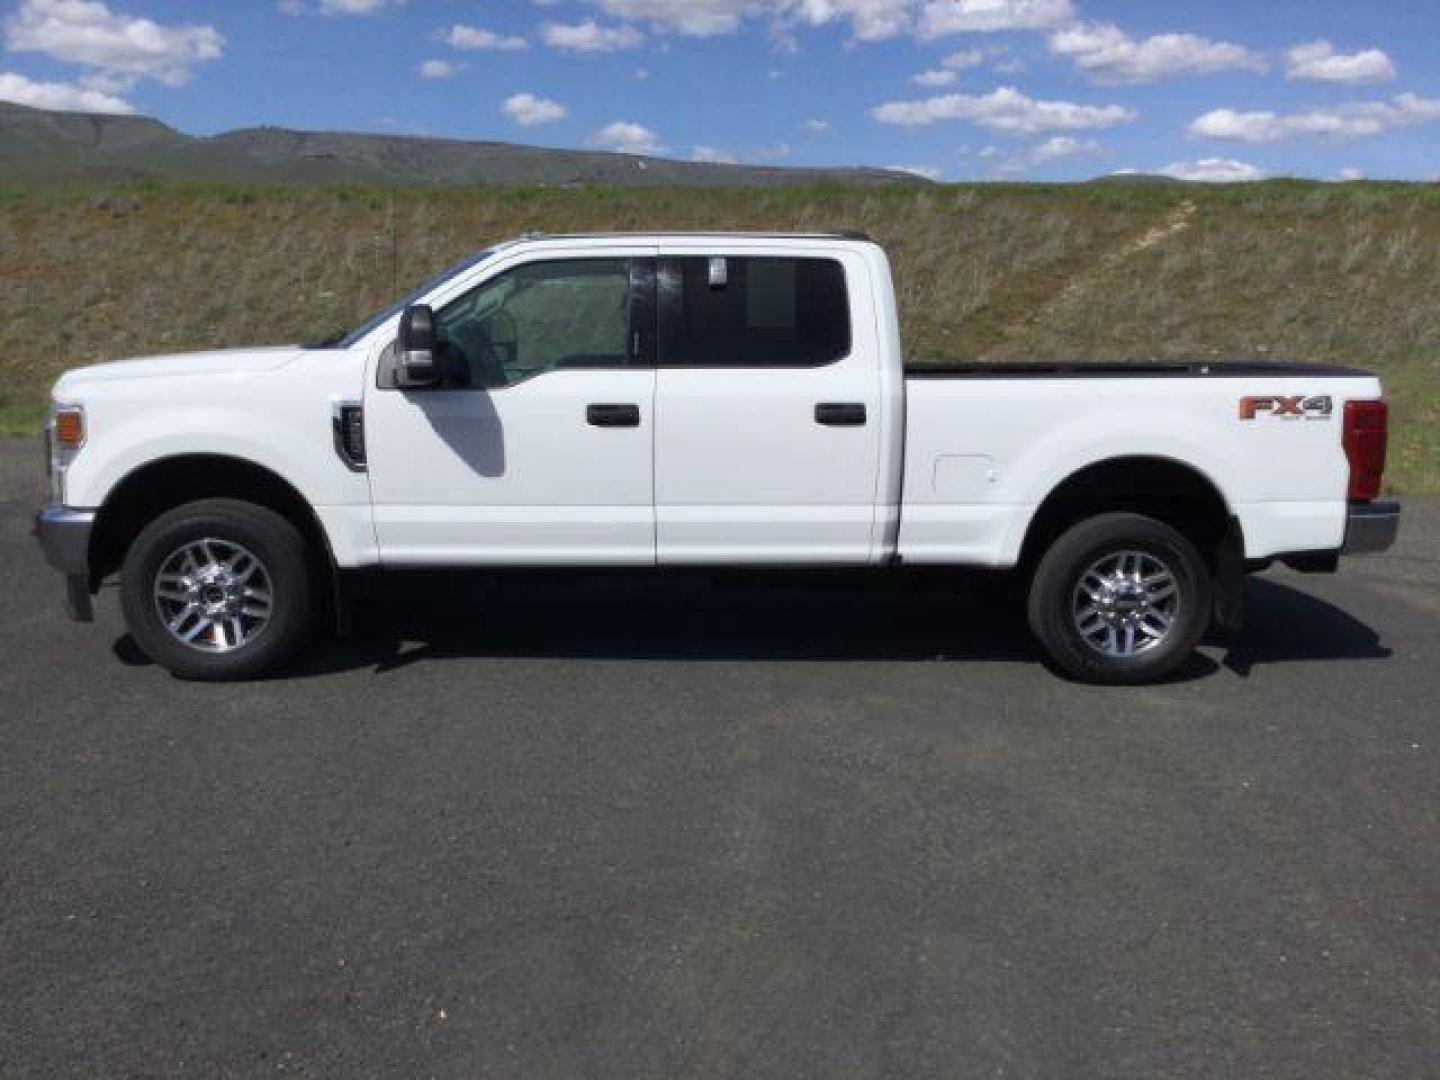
(536, 318)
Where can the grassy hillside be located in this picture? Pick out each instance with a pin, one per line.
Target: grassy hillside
(1281, 270)
(40, 148)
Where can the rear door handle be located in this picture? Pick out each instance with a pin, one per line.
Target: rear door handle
(840, 413)
(612, 415)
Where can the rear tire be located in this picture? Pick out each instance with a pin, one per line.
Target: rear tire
(1120, 599)
(218, 590)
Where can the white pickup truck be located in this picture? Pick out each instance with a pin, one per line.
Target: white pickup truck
(693, 400)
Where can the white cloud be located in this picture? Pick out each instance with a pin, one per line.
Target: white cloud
(965, 59)
(816, 126)
(698, 18)
(478, 39)
(121, 48)
(941, 17)
(336, 7)
(1109, 55)
(870, 20)
(1064, 146)
(877, 20)
(1351, 174)
(928, 172)
(528, 110)
(1005, 110)
(1342, 122)
(1214, 171)
(713, 156)
(935, 77)
(438, 69)
(1058, 148)
(1319, 62)
(590, 37)
(628, 137)
(62, 96)
(353, 7)
(995, 55)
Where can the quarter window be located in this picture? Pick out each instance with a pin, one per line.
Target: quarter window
(753, 312)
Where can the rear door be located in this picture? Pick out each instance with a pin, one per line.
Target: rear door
(767, 431)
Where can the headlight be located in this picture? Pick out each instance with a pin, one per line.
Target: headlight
(64, 436)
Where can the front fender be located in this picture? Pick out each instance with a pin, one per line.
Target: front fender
(281, 421)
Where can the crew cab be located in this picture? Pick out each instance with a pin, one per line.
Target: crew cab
(693, 401)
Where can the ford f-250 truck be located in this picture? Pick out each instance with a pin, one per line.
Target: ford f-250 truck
(675, 401)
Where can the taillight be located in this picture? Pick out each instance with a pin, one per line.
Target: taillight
(1366, 433)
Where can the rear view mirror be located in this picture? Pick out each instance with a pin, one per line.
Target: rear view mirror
(417, 345)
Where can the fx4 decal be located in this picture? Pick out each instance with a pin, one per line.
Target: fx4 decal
(1298, 407)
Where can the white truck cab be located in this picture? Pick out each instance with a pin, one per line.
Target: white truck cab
(726, 400)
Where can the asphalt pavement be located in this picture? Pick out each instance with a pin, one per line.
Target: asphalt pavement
(672, 829)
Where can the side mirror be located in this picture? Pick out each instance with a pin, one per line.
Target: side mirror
(417, 345)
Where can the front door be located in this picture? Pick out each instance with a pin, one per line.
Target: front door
(768, 420)
(537, 447)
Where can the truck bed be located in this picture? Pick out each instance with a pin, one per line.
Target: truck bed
(977, 446)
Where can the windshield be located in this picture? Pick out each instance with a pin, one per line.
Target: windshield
(345, 340)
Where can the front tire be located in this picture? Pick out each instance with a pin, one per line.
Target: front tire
(1120, 599)
(218, 590)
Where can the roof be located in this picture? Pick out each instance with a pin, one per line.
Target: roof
(702, 234)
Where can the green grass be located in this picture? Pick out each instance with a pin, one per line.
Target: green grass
(19, 418)
(1282, 270)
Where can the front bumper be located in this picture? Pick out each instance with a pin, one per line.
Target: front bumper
(64, 536)
(1371, 528)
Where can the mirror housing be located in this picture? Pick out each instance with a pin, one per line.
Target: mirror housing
(416, 347)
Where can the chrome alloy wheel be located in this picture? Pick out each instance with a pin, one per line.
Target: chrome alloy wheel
(1125, 603)
(213, 595)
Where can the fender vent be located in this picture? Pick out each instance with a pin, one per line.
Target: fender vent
(349, 423)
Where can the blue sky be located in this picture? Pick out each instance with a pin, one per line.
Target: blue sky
(962, 89)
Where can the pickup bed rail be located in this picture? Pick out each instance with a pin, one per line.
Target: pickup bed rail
(1020, 369)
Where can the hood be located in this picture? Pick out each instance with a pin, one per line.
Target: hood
(223, 362)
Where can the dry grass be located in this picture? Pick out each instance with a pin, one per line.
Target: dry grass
(1283, 270)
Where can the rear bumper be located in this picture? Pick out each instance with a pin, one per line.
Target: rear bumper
(1371, 528)
(64, 536)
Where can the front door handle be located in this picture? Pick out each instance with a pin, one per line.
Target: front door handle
(840, 413)
(612, 415)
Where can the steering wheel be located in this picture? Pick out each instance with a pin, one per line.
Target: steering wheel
(503, 336)
(473, 360)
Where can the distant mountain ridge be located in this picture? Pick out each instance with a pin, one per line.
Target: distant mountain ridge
(40, 146)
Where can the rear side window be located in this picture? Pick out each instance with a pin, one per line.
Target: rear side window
(753, 312)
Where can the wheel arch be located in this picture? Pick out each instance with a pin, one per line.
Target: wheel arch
(165, 483)
(1165, 488)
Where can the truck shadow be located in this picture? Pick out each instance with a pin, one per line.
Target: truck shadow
(639, 616)
(635, 617)
(429, 617)
(1285, 624)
